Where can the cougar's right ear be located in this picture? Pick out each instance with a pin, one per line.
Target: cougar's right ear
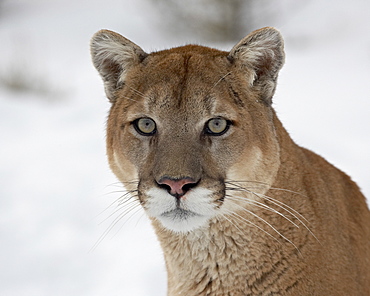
(113, 55)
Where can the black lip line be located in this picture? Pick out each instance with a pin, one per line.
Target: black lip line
(179, 213)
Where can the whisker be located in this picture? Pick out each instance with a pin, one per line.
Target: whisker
(279, 204)
(267, 223)
(124, 200)
(128, 98)
(239, 188)
(116, 184)
(264, 221)
(126, 205)
(128, 209)
(254, 182)
(112, 225)
(120, 191)
(266, 184)
(234, 224)
(141, 216)
(290, 191)
(133, 213)
(218, 81)
(242, 219)
(119, 200)
(123, 182)
(261, 205)
(284, 206)
(231, 222)
(137, 92)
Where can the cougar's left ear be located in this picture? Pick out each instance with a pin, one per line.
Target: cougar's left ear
(113, 55)
(262, 51)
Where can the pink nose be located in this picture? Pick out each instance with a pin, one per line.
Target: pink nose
(177, 187)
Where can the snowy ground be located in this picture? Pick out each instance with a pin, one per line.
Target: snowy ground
(54, 178)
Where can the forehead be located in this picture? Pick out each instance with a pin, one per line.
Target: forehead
(185, 80)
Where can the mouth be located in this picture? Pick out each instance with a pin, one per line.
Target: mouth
(182, 215)
(179, 214)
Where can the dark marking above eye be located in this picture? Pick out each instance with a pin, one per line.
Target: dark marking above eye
(236, 97)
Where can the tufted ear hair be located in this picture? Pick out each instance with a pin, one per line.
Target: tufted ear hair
(262, 51)
(113, 55)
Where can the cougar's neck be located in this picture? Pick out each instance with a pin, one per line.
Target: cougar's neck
(225, 258)
(205, 260)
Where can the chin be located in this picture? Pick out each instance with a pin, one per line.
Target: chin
(183, 221)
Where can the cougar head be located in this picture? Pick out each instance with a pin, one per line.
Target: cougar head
(186, 122)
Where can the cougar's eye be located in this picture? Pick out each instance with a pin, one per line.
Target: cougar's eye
(217, 126)
(145, 126)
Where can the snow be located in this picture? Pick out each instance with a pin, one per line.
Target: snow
(56, 186)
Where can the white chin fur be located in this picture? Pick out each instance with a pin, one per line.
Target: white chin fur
(195, 209)
(183, 225)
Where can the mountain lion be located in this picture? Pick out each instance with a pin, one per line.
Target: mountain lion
(238, 207)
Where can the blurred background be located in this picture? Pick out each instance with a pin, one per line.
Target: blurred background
(56, 188)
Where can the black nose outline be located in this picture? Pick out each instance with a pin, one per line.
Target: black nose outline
(177, 187)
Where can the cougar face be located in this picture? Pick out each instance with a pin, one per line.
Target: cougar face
(183, 136)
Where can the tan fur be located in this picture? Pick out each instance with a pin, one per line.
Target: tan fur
(280, 220)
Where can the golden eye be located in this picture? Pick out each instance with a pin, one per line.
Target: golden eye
(217, 126)
(145, 126)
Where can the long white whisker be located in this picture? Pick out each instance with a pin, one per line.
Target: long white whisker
(287, 190)
(269, 224)
(137, 92)
(265, 184)
(133, 213)
(281, 205)
(232, 223)
(119, 200)
(290, 210)
(128, 98)
(250, 182)
(218, 81)
(261, 205)
(141, 216)
(284, 206)
(127, 204)
(275, 202)
(120, 183)
(130, 208)
(240, 218)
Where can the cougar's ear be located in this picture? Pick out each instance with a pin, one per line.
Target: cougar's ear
(113, 55)
(262, 51)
